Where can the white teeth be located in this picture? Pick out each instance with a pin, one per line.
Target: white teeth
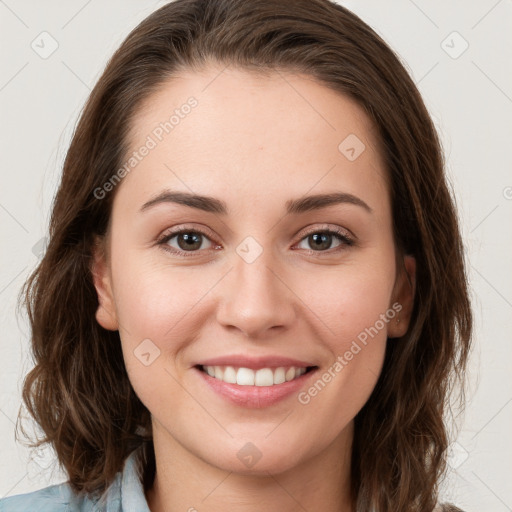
(245, 377)
(229, 375)
(248, 377)
(264, 377)
(279, 375)
(290, 374)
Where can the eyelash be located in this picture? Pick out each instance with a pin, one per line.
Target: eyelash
(341, 235)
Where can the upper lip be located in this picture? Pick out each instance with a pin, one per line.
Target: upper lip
(254, 363)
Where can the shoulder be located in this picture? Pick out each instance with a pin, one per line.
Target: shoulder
(55, 498)
(125, 491)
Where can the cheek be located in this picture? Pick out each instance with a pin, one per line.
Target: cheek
(353, 310)
(356, 341)
(157, 313)
(348, 300)
(154, 301)
(157, 320)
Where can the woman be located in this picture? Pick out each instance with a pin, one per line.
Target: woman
(254, 294)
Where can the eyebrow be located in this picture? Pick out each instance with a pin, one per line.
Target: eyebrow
(293, 206)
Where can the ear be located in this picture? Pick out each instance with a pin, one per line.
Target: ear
(106, 314)
(403, 298)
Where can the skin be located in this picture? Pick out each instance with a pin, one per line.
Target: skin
(254, 142)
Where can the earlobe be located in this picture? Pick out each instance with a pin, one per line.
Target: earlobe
(403, 294)
(105, 313)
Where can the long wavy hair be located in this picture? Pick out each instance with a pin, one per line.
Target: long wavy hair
(79, 392)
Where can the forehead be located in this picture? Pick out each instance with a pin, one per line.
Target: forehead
(250, 132)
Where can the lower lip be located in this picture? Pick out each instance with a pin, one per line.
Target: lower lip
(255, 396)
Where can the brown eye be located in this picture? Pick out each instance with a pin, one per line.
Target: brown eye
(185, 241)
(322, 241)
(189, 241)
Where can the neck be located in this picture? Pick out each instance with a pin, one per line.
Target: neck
(185, 482)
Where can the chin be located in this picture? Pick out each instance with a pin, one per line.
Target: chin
(260, 456)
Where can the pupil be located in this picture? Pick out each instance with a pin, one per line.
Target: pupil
(321, 239)
(191, 241)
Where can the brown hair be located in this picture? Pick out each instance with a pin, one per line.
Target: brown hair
(79, 392)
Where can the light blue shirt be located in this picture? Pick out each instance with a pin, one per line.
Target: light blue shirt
(125, 494)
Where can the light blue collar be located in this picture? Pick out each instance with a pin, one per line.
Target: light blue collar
(126, 492)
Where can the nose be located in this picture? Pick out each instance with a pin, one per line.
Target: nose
(255, 298)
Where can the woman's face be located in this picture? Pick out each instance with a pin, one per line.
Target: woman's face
(255, 286)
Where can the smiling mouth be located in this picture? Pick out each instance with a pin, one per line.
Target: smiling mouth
(261, 377)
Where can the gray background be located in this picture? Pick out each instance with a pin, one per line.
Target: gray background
(469, 95)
